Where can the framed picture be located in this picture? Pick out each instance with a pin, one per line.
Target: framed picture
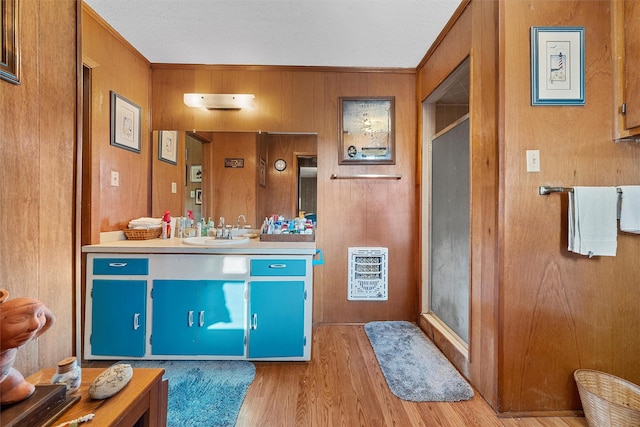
(557, 66)
(196, 173)
(9, 41)
(198, 198)
(125, 123)
(168, 146)
(262, 177)
(366, 133)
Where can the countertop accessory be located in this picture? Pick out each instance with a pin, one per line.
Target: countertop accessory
(151, 233)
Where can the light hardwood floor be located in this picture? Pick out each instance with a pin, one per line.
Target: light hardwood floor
(343, 386)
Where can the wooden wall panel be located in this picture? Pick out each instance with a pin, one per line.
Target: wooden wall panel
(38, 138)
(116, 66)
(350, 213)
(234, 189)
(281, 187)
(484, 110)
(562, 311)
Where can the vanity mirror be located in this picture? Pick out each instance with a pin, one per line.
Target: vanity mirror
(228, 174)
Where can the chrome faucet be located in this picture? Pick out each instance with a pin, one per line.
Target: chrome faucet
(244, 221)
(220, 229)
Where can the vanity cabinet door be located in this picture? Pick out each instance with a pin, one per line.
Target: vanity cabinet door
(221, 318)
(175, 305)
(276, 319)
(118, 317)
(198, 317)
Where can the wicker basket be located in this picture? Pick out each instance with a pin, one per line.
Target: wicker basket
(151, 233)
(608, 401)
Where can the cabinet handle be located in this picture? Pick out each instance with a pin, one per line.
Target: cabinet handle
(201, 318)
(190, 318)
(254, 321)
(117, 264)
(136, 321)
(278, 266)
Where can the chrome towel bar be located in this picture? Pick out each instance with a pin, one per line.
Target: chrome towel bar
(543, 190)
(366, 176)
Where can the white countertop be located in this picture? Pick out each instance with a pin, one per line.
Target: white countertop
(176, 246)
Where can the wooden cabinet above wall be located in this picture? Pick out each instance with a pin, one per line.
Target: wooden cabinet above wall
(626, 34)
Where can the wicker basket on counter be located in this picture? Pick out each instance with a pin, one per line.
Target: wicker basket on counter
(144, 234)
(608, 400)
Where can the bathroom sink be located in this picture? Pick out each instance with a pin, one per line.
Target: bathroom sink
(208, 241)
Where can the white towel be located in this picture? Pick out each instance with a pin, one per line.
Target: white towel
(593, 221)
(630, 209)
(145, 223)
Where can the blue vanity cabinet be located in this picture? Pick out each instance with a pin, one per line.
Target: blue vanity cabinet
(198, 317)
(279, 324)
(117, 307)
(171, 301)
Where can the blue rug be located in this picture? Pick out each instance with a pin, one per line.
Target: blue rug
(413, 366)
(203, 393)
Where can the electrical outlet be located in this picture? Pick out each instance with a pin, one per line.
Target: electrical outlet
(174, 187)
(115, 179)
(533, 160)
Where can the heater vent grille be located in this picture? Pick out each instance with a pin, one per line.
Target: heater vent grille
(368, 274)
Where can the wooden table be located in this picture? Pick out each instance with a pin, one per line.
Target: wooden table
(144, 399)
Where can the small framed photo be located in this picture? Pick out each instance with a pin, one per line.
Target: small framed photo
(196, 173)
(198, 198)
(125, 123)
(168, 146)
(366, 134)
(557, 66)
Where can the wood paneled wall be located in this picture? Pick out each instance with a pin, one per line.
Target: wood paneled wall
(38, 139)
(538, 311)
(350, 212)
(281, 189)
(562, 311)
(115, 66)
(230, 192)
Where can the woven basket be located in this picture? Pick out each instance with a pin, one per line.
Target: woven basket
(151, 233)
(608, 401)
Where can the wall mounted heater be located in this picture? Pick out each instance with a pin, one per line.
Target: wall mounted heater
(368, 274)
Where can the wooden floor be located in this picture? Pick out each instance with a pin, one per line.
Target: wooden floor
(343, 386)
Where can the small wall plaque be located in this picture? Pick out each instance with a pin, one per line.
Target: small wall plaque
(233, 163)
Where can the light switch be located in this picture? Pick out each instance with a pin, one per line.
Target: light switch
(174, 187)
(115, 179)
(533, 160)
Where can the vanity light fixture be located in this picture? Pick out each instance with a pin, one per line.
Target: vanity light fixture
(219, 101)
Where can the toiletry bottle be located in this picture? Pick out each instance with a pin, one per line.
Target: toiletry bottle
(166, 224)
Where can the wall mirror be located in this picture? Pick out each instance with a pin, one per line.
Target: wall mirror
(229, 174)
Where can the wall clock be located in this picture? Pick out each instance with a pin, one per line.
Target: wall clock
(280, 165)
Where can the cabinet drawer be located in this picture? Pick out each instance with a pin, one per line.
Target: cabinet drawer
(121, 266)
(278, 267)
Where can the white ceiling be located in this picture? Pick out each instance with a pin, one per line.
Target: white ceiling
(336, 33)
